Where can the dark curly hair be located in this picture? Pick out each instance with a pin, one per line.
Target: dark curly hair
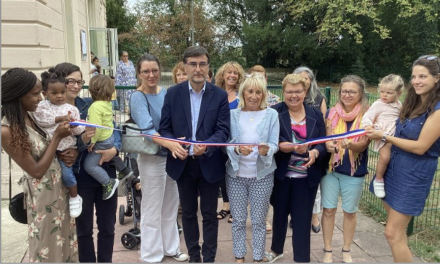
(52, 76)
(16, 83)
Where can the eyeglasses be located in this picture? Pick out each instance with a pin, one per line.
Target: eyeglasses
(298, 92)
(193, 65)
(147, 72)
(72, 82)
(351, 93)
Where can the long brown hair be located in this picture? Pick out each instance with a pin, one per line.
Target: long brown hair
(413, 106)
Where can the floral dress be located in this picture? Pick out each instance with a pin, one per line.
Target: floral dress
(125, 76)
(51, 231)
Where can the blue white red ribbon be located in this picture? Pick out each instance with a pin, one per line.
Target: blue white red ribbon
(314, 141)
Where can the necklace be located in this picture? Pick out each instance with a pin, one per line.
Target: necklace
(251, 118)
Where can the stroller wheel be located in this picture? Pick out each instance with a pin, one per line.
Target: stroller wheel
(128, 240)
(121, 214)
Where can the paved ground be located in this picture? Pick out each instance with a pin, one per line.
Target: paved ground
(369, 244)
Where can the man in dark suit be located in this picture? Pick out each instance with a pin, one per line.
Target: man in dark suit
(199, 111)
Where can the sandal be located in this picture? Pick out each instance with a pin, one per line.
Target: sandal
(271, 257)
(239, 260)
(230, 219)
(222, 214)
(328, 251)
(349, 260)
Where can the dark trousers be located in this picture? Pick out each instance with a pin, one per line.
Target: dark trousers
(225, 197)
(293, 196)
(91, 192)
(190, 184)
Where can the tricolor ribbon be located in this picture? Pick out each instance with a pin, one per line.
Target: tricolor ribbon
(350, 134)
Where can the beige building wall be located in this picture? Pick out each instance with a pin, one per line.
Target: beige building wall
(38, 34)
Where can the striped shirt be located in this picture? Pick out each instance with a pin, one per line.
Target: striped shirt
(296, 168)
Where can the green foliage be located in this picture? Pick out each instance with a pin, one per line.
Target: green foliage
(166, 26)
(426, 244)
(119, 17)
(334, 17)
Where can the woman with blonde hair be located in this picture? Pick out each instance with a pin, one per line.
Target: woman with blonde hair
(229, 77)
(249, 170)
(315, 99)
(298, 170)
(348, 164)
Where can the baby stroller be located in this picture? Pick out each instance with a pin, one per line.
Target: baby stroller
(133, 193)
(131, 238)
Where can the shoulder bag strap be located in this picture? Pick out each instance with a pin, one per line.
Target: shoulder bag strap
(10, 178)
(149, 111)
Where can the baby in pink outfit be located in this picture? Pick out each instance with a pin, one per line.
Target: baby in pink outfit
(383, 115)
(49, 114)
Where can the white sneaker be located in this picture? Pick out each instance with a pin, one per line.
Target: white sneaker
(379, 189)
(75, 205)
(180, 256)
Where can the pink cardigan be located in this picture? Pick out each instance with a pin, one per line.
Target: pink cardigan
(382, 116)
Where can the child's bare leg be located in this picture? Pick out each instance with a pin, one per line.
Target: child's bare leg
(73, 191)
(384, 159)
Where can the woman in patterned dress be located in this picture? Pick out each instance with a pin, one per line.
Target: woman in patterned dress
(51, 230)
(125, 76)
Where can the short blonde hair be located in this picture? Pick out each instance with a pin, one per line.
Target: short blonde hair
(220, 81)
(254, 80)
(177, 67)
(294, 79)
(394, 80)
(101, 87)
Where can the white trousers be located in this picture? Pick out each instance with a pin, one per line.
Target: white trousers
(160, 199)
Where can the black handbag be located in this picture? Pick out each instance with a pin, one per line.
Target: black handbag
(16, 204)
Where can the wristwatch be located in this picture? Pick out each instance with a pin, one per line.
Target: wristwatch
(384, 137)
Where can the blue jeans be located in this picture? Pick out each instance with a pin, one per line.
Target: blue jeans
(67, 175)
(91, 162)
